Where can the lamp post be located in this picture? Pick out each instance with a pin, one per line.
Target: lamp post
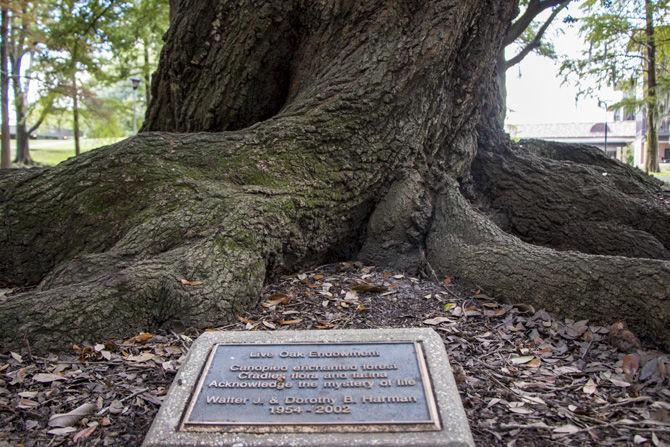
(604, 105)
(135, 83)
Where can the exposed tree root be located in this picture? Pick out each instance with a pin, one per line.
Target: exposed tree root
(136, 282)
(573, 197)
(189, 286)
(172, 242)
(464, 242)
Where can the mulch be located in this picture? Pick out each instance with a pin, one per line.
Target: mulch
(526, 377)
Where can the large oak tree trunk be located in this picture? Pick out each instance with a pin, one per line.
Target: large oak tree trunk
(284, 133)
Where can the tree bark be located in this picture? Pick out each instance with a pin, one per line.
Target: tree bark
(318, 131)
(651, 140)
(572, 197)
(5, 154)
(174, 5)
(569, 283)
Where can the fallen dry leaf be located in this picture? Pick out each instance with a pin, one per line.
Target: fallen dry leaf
(141, 358)
(368, 287)
(277, 298)
(140, 338)
(71, 418)
(28, 394)
(590, 387)
(637, 439)
(567, 429)
(85, 433)
(495, 313)
(116, 407)
(351, 295)
(620, 383)
(631, 364)
(535, 363)
(623, 338)
(47, 378)
(522, 359)
(435, 321)
(290, 322)
(27, 404)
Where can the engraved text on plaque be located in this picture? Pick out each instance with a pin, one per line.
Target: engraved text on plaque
(361, 386)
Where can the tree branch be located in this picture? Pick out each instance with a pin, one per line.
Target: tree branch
(94, 22)
(535, 7)
(45, 111)
(535, 43)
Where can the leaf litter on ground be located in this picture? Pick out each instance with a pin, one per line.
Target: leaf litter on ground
(526, 378)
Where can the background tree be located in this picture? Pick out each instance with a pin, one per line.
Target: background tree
(622, 54)
(26, 48)
(137, 40)
(288, 133)
(77, 41)
(47, 79)
(5, 155)
(23, 37)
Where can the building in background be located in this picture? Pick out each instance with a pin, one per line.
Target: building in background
(625, 139)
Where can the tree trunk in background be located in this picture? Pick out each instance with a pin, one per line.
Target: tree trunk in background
(22, 141)
(22, 137)
(75, 114)
(17, 53)
(320, 131)
(651, 140)
(5, 154)
(146, 71)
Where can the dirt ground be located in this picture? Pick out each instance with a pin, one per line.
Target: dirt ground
(526, 378)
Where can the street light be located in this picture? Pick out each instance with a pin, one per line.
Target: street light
(604, 104)
(136, 84)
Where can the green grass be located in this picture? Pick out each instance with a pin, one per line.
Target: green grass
(663, 176)
(52, 152)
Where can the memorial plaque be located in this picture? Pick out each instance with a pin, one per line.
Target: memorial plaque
(386, 387)
(284, 387)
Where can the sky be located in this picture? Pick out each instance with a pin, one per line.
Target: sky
(535, 93)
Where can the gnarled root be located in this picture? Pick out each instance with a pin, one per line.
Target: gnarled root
(464, 242)
(573, 197)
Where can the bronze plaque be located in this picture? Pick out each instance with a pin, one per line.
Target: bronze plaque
(381, 386)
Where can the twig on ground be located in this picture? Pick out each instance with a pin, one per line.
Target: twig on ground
(136, 393)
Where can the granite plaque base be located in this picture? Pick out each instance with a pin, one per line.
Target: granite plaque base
(390, 387)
